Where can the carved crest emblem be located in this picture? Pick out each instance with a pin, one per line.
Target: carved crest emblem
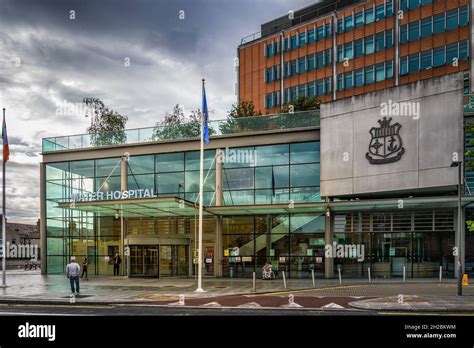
(386, 145)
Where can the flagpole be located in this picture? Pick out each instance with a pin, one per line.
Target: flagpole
(4, 227)
(201, 184)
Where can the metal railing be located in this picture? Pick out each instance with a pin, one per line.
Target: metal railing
(184, 131)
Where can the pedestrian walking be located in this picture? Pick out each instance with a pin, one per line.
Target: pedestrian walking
(72, 272)
(84, 268)
(117, 261)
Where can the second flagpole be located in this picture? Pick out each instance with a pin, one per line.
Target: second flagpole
(201, 184)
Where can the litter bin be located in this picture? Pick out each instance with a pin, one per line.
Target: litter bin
(231, 272)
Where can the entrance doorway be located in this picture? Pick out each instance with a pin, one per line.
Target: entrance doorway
(144, 260)
(174, 260)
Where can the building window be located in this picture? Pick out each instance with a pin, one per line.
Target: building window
(311, 65)
(320, 59)
(320, 32)
(403, 65)
(389, 70)
(414, 4)
(340, 54)
(320, 87)
(310, 89)
(404, 34)
(328, 56)
(389, 39)
(269, 75)
(340, 25)
(359, 77)
(414, 31)
(293, 70)
(379, 12)
(268, 101)
(358, 48)
(287, 69)
(276, 72)
(463, 16)
(426, 2)
(294, 41)
(369, 75)
(340, 82)
(379, 41)
(438, 24)
(426, 58)
(439, 56)
(348, 80)
(414, 63)
(302, 39)
(404, 5)
(293, 93)
(380, 72)
(311, 36)
(328, 85)
(426, 25)
(452, 19)
(269, 50)
(286, 96)
(389, 8)
(369, 45)
(452, 53)
(348, 23)
(328, 29)
(302, 91)
(463, 50)
(302, 65)
(369, 15)
(348, 51)
(287, 44)
(359, 19)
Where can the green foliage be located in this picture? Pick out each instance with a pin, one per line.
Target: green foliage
(107, 126)
(177, 126)
(303, 103)
(235, 122)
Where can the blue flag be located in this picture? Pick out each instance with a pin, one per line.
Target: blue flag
(205, 114)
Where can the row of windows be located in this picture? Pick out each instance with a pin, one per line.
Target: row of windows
(434, 25)
(299, 40)
(366, 45)
(412, 4)
(365, 76)
(366, 16)
(300, 65)
(433, 58)
(310, 90)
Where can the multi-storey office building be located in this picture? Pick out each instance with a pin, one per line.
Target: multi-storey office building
(278, 189)
(341, 48)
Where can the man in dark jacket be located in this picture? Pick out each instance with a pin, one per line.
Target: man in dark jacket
(117, 261)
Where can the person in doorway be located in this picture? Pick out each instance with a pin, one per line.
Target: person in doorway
(72, 272)
(117, 261)
(84, 268)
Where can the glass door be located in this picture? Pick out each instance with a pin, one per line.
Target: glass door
(144, 260)
(151, 261)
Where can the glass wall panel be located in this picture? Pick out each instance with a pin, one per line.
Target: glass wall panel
(170, 162)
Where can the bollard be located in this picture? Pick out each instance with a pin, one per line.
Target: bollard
(440, 273)
(254, 284)
(404, 273)
(284, 278)
(340, 277)
(312, 276)
(368, 272)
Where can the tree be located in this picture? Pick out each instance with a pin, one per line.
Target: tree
(177, 126)
(107, 126)
(235, 115)
(303, 103)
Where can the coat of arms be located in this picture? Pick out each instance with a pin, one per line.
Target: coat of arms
(386, 144)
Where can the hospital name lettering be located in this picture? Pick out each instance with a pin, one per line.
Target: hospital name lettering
(98, 196)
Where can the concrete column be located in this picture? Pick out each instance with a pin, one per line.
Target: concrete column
(218, 252)
(328, 237)
(396, 43)
(460, 236)
(334, 56)
(123, 187)
(269, 235)
(43, 236)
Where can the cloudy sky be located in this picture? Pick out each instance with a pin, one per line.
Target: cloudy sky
(48, 58)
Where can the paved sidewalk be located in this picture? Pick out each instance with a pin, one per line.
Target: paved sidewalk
(428, 294)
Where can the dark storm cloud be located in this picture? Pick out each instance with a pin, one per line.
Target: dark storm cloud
(64, 60)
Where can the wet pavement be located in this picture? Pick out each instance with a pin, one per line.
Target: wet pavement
(358, 294)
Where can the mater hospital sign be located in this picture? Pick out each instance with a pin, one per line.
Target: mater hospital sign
(109, 195)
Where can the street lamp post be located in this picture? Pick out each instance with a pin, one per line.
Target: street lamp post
(458, 164)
